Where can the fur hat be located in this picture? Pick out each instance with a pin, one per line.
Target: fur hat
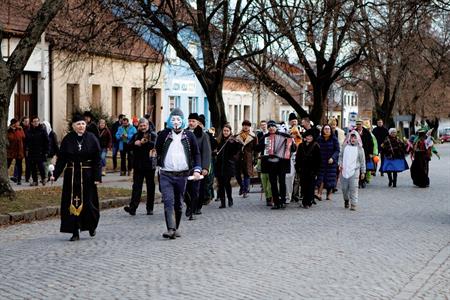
(292, 116)
(202, 119)
(77, 117)
(193, 116)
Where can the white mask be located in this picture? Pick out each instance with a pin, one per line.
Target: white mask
(176, 122)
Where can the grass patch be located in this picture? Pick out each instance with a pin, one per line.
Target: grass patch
(50, 196)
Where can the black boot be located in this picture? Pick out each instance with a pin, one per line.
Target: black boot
(178, 215)
(230, 202)
(75, 236)
(394, 181)
(390, 178)
(222, 203)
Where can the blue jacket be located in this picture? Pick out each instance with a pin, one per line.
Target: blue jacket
(131, 130)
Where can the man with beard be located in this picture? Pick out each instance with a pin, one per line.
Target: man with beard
(193, 198)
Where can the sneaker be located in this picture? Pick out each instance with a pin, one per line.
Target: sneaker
(353, 207)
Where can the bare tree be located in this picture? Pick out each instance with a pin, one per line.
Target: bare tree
(320, 35)
(218, 26)
(10, 71)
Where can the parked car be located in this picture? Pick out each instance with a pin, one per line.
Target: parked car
(445, 135)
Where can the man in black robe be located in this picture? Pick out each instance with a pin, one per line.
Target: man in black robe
(80, 159)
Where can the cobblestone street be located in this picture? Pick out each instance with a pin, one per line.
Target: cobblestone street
(395, 246)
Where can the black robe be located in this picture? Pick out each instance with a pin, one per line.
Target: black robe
(82, 167)
(419, 166)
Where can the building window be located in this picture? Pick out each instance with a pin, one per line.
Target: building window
(116, 101)
(136, 95)
(193, 104)
(73, 99)
(96, 96)
(174, 101)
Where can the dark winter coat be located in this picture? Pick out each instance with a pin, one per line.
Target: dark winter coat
(307, 160)
(248, 154)
(328, 172)
(16, 140)
(393, 147)
(204, 146)
(37, 143)
(380, 134)
(92, 127)
(189, 144)
(53, 148)
(105, 138)
(114, 129)
(367, 141)
(142, 159)
(226, 157)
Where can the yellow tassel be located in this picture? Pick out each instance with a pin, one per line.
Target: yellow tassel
(75, 211)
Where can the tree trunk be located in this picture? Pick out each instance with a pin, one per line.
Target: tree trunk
(217, 108)
(5, 187)
(320, 92)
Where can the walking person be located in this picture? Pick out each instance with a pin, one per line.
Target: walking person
(367, 144)
(105, 142)
(178, 154)
(194, 195)
(79, 159)
(248, 155)
(352, 165)
(421, 156)
(381, 133)
(124, 135)
(329, 153)
(116, 141)
(37, 145)
(307, 164)
(228, 147)
(143, 146)
(394, 157)
(15, 149)
(265, 182)
(90, 124)
(25, 125)
(53, 147)
(276, 150)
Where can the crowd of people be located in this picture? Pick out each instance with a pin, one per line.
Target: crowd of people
(296, 163)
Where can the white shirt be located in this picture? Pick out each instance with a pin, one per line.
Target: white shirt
(175, 159)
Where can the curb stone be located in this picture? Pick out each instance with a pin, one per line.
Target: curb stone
(52, 211)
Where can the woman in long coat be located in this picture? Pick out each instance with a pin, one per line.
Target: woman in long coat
(79, 158)
(421, 156)
(15, 149)
(329, 153)
(394, 157)
(307, 164)
(225, 167)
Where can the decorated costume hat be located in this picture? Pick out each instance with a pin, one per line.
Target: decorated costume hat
(176, 112)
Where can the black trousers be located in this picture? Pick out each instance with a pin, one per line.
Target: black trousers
(17, 168)
(278, 186)
(224, 186)
(126, 157)
(36, 165)
(138, 182)
(307, 186)
(191, 196)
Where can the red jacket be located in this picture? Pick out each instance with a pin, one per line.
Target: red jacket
(16, 140)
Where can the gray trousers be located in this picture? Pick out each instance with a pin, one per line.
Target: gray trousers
(172, 191)
(350, 188)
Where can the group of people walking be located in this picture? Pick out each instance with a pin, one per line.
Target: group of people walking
(296, 163)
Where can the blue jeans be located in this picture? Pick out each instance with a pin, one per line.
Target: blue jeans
(172, 189)
(103, 156)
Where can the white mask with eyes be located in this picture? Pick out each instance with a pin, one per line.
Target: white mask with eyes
(176, 122)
